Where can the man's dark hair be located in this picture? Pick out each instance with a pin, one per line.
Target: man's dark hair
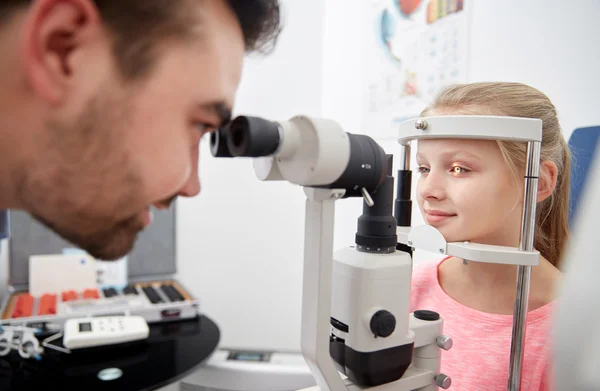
(137, 26)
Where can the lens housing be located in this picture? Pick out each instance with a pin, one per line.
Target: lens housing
(253, 137)
(367, 167)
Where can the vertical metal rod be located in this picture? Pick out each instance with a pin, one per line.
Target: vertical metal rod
(317, 287)
(405, 156)
(403, 203)
(524, 272)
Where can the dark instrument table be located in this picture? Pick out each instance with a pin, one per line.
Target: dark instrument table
(172, 351)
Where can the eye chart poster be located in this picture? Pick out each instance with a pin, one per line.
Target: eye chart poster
(413, 48)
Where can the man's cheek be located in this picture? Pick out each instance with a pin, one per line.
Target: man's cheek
(164, 178)
(176, 176)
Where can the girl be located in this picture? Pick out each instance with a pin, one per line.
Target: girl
(472, 190)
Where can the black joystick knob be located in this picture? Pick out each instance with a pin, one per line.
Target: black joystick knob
(383, 323)
(427, 315)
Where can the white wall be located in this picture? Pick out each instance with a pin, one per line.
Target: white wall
(240, 248)
(343, 40)
(549, 44)
(240, 244)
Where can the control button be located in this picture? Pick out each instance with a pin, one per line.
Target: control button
(444, 342)
(383, 323)
(339, 325)
(427, 315)
(443, 381)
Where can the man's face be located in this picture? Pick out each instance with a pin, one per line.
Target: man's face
(114, 148)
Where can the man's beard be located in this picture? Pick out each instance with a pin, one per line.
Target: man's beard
(109, 244)
(84, 186)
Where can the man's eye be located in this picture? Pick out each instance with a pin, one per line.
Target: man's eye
(205, 128)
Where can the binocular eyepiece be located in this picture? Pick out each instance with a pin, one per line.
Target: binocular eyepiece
(246, 137)
(306, 151)
(317, 152)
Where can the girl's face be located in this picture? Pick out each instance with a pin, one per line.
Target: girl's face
(466, 190)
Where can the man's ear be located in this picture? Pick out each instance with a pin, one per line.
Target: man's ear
(547, 180)
(53, 32)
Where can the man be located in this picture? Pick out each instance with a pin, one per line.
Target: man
(103, 104)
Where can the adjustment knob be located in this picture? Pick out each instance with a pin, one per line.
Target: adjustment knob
(443, 381)
(383, 323)
(426, 315)
(444, 342)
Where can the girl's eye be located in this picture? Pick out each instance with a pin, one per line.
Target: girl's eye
(423, 170)
(459, 170)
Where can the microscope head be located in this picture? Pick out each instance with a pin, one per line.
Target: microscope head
(306, 151)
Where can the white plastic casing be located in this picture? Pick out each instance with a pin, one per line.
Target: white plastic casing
(428, 238)
(364, 283)
(576, 343)
(103, 331)
(312, 152)
(484, 127)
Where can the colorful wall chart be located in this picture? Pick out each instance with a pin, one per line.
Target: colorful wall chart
(413, 48)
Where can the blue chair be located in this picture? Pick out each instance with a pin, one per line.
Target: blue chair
(582, 144)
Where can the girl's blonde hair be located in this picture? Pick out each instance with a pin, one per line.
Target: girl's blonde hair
(520, 100)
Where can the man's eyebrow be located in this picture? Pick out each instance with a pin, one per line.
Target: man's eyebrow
(219, 109)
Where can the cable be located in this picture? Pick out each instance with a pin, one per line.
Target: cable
(46, 343)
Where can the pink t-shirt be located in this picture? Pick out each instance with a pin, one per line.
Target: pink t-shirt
(480, 357)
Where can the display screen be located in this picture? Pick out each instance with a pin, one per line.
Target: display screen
(249, 356)
(84, 327)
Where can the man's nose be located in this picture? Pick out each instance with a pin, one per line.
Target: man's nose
(192, 187)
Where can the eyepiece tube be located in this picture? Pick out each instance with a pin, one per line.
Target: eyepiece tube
(218, 142)
(253, 137)
(306, 151)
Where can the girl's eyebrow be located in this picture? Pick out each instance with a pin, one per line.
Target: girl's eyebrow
(452, 154)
